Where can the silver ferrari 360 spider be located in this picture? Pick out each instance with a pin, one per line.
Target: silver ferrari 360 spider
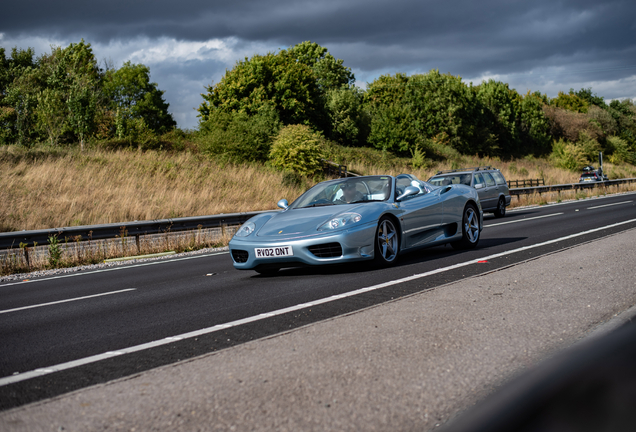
(359, 218)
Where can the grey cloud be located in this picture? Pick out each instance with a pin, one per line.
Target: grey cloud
(504, 32)
(584, 41)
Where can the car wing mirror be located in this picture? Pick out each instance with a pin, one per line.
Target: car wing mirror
(479, 186)
(283, 204)
(409, 191)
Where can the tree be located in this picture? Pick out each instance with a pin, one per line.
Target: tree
(82, 107)
(131, 94)
(276, 79)
(21, 97)
(570, 102)
(391, 127)
(330, 72)
(295, 82)
(19, 84)
(503, 105)
(587, 96)
(385, 90)
(349, 121)
(624, 112)
(442, 103)
(534, 126)
(72, 73)
(51, 113)
(238, 137)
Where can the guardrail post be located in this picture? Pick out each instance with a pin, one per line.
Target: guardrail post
(137, 241)
(26, 254)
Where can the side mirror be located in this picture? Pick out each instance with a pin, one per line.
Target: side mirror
(409, 191)
(283, 204)
(479, 186)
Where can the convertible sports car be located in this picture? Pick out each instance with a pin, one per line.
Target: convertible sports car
(360, 218)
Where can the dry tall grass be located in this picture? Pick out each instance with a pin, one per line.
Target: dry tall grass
(68, 188)
(519, 169)
(103, 187)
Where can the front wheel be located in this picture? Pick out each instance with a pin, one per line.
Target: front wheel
(470, 229)
(501, 208)
(387, 242)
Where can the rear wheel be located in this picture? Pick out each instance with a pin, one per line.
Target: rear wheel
(387, 242)
(501, 208)
(470, 229)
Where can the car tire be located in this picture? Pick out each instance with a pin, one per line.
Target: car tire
(501, 208)
(470, 229)
(387, 243)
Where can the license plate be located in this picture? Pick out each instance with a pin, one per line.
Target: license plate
(273, 252)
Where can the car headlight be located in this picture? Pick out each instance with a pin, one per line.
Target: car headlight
(246, 229)
(341, 221)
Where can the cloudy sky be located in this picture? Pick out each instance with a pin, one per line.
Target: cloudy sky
(545, 45)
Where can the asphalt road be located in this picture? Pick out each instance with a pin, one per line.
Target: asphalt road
(52, 321)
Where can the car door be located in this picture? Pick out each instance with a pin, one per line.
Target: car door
(490, 193)
(421, 217)
(502, 186)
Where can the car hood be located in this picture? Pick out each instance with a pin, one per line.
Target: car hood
(303, 221)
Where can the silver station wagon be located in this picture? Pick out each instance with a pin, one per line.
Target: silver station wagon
(491, 186)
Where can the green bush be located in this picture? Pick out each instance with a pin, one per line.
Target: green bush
(621, 151)
(298, 149)
(349, 123)
(567, 155)
(570, 102)
(55, 251)
(504, 106)
(589, 146)
(534, 126)
(238, 137)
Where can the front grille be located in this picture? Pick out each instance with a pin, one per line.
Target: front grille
(327, 250)
(240, 256)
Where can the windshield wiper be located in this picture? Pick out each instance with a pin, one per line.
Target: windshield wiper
(318, 205)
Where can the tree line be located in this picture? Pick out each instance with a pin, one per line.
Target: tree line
(430, 115)
(65, 97)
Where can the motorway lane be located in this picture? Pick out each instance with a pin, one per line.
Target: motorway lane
(175, 296)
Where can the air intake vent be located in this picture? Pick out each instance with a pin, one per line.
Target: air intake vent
(327, 250)
(240, 256)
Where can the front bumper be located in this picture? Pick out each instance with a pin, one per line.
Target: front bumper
(356, 244)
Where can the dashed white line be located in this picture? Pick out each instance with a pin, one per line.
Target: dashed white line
(608, 205)
(522, 220)
(66, 301)
(92, 359)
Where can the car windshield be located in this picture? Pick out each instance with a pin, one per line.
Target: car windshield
(448, 179)
(346, 191)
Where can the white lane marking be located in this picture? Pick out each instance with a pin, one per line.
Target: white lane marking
(68, 365)
(66, 301)
(525, 208)
(115, 268)
(607, 205)
(522, 220)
